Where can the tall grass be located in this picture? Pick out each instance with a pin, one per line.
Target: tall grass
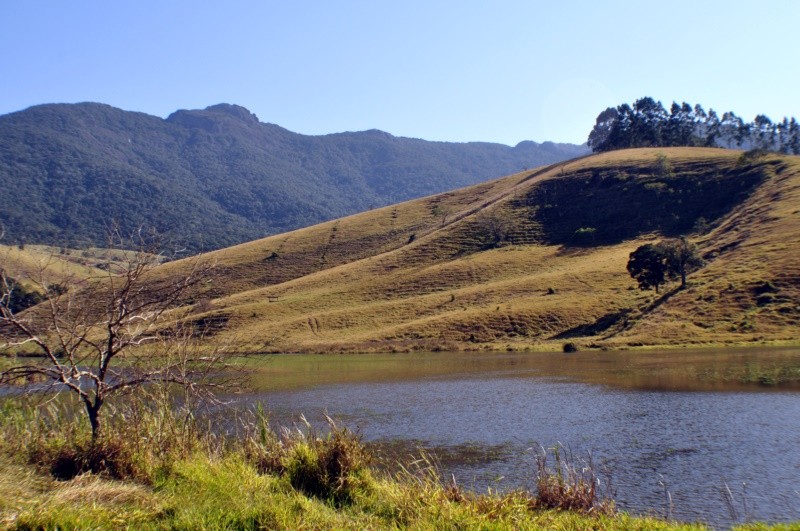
(161, 468)
(143, 437)
(569, 483)
(332, 466)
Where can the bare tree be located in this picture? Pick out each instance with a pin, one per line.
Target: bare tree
(107, 336)
(493, 228)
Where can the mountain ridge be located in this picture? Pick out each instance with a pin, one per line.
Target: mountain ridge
(218, 176)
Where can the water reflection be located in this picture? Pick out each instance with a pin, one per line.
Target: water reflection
(639, 414)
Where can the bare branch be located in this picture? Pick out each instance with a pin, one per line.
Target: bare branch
(123, 313)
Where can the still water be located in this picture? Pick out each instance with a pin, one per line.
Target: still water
(659, 425)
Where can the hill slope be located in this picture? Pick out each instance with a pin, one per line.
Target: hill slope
(212, 178)
(529, 261)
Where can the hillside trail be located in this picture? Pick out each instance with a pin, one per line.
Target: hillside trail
(536, 175)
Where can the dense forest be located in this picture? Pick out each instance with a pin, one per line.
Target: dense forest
(211, 178)
(647, 123)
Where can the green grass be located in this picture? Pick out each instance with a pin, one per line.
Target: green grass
(228, 493)
(309, 481)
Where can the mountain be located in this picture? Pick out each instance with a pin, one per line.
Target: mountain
(211, 178)
(532, 260)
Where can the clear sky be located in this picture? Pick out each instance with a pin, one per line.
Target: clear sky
(499, 71)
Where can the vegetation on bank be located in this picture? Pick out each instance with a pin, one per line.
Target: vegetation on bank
(158, 469)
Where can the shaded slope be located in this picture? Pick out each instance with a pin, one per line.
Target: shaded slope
(215, 177)
(480, 267)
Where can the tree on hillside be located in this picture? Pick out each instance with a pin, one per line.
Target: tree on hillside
(653, 264)
(680, 126)
(648, 266)
(711, 129)
(493, 228)
(764, 132)
(794, 137)
(682, 257)
(106, 337)
(599, 136)
(731, 129)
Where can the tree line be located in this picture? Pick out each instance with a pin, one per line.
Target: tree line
(647, 123)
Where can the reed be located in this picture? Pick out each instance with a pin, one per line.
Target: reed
(569, 484)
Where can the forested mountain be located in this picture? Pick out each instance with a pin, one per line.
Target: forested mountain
(215, 177)
(647, 123)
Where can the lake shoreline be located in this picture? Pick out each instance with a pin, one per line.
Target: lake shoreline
(549, 346)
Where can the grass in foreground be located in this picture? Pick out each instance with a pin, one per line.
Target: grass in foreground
(184, 479)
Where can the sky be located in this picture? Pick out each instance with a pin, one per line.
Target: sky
(496, 71)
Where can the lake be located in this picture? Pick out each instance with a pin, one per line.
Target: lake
(659, 425)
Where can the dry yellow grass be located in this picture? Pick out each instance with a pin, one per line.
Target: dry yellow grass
(34, 261)
(418, 275)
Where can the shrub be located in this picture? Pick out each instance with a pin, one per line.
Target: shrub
(107, 455)
(570, 347)
(764, 299)
(333, 467)
(261, 447)
(567, 486)
(584, 235)
(765, 287)
(751, 156)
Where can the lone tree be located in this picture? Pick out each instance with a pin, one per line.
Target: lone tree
(106, 336)
(653, 264)
(682, 257)
(648, 266)
(493, 229)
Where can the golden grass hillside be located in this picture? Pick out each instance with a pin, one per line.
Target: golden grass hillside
(34, 264)
(531, 260)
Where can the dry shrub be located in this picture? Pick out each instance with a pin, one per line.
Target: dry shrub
(569, 486)
(109, 456)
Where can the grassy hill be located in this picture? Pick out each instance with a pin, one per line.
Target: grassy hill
(211, 178)
(52, 265)
(531, 260)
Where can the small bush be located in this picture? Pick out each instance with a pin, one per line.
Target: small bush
(764, 299)
(570, 347)
(566, 486)
(751, 156)
(109, 456)
(765, 287)
(584, 235)
(333, 468)
(663, 167)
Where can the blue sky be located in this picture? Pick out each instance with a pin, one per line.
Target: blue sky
(499, 71)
